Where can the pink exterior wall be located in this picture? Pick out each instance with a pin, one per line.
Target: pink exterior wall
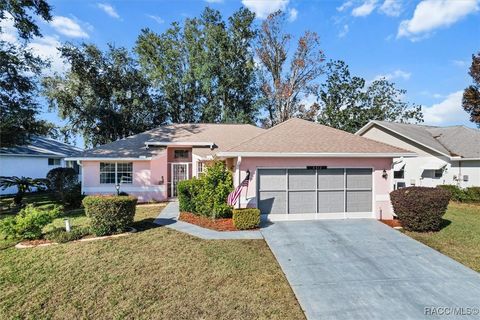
(147, 179)
(381, 186)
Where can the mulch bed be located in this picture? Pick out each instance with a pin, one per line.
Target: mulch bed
(36, 242)
(392, 223)
(213, 224)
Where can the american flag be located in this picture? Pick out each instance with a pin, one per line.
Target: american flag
(235, 194)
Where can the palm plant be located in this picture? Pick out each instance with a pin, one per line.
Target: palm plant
(23, 184)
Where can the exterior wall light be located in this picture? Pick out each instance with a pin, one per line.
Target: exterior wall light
(384, 174)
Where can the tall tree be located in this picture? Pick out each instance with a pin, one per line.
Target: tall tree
(283, 89)
(205, 69)
(347, 103)
(19, 71)
(471, 95)
(103, 96)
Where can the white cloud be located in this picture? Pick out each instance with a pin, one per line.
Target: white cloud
(157, 19)
(263, 8)
(459, 63)
(345, 5)
(391, 8)
(109, 9)
(397, 74)
(68, 27)
(9, 33)
(292, 14)
(432, 14)
(45, 47)
(447, 111)
(344, 31)
(365, 9)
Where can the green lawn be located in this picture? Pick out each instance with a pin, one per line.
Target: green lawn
(154, 273)
(460, 238)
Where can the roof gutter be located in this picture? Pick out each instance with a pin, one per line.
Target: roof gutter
(209, 144)
(314, 154)
(142, 158)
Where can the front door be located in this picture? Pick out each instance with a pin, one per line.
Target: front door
(179, 173)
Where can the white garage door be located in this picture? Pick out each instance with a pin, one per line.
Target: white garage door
(320, 193)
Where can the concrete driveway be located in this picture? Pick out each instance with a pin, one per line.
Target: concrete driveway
(362, 269)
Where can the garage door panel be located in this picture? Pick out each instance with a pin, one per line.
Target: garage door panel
(301, 179)
(331, 201)
(272, 179)
(359, 201)
(359, 178)
(272, 202)
(301, 202)
(325, 191)
(331, 179)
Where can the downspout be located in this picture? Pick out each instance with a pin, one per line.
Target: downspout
(79, 163)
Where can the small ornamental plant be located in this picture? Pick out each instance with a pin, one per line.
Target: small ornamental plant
(248, 218)
(419, 208)
(109, 214)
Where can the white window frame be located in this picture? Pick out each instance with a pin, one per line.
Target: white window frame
(115, 172)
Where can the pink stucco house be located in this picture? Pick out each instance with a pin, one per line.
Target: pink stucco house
(298, 169)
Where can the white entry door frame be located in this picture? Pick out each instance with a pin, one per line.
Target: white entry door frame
(178, 171)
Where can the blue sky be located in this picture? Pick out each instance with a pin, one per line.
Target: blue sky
(423, 46)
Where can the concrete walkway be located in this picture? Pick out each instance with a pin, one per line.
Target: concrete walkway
(169, 218)
(362, 269)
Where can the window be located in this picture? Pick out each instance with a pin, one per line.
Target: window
(53, 161)
(438, 173)
(116, 172)
(180, 154)
(124, 172)
(200, 168)
(400, 174)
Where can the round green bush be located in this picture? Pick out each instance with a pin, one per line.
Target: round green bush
(247, 218)
(109, 214)
(419, 208)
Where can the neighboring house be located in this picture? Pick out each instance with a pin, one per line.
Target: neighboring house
(298, 169)
(446, 155)
(35, 159)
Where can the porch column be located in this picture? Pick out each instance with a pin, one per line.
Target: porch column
(239, 177)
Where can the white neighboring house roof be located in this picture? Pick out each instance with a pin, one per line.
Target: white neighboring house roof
(455, 142)
(41, 147)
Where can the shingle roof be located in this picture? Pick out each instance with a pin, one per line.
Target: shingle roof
(223, 135)
(42, 147)
(301, 136)
(454, 141)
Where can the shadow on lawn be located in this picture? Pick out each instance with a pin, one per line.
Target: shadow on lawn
(445, 223)
(147, 224)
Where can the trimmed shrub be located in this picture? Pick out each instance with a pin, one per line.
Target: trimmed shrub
(28, 223)
(61, 180)
(109, 214)
(61, 236)
(248, 218)
(419, 208)
(188, 191)
(457, 193)
(207, 196)
(471, 194)
(217, 183)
